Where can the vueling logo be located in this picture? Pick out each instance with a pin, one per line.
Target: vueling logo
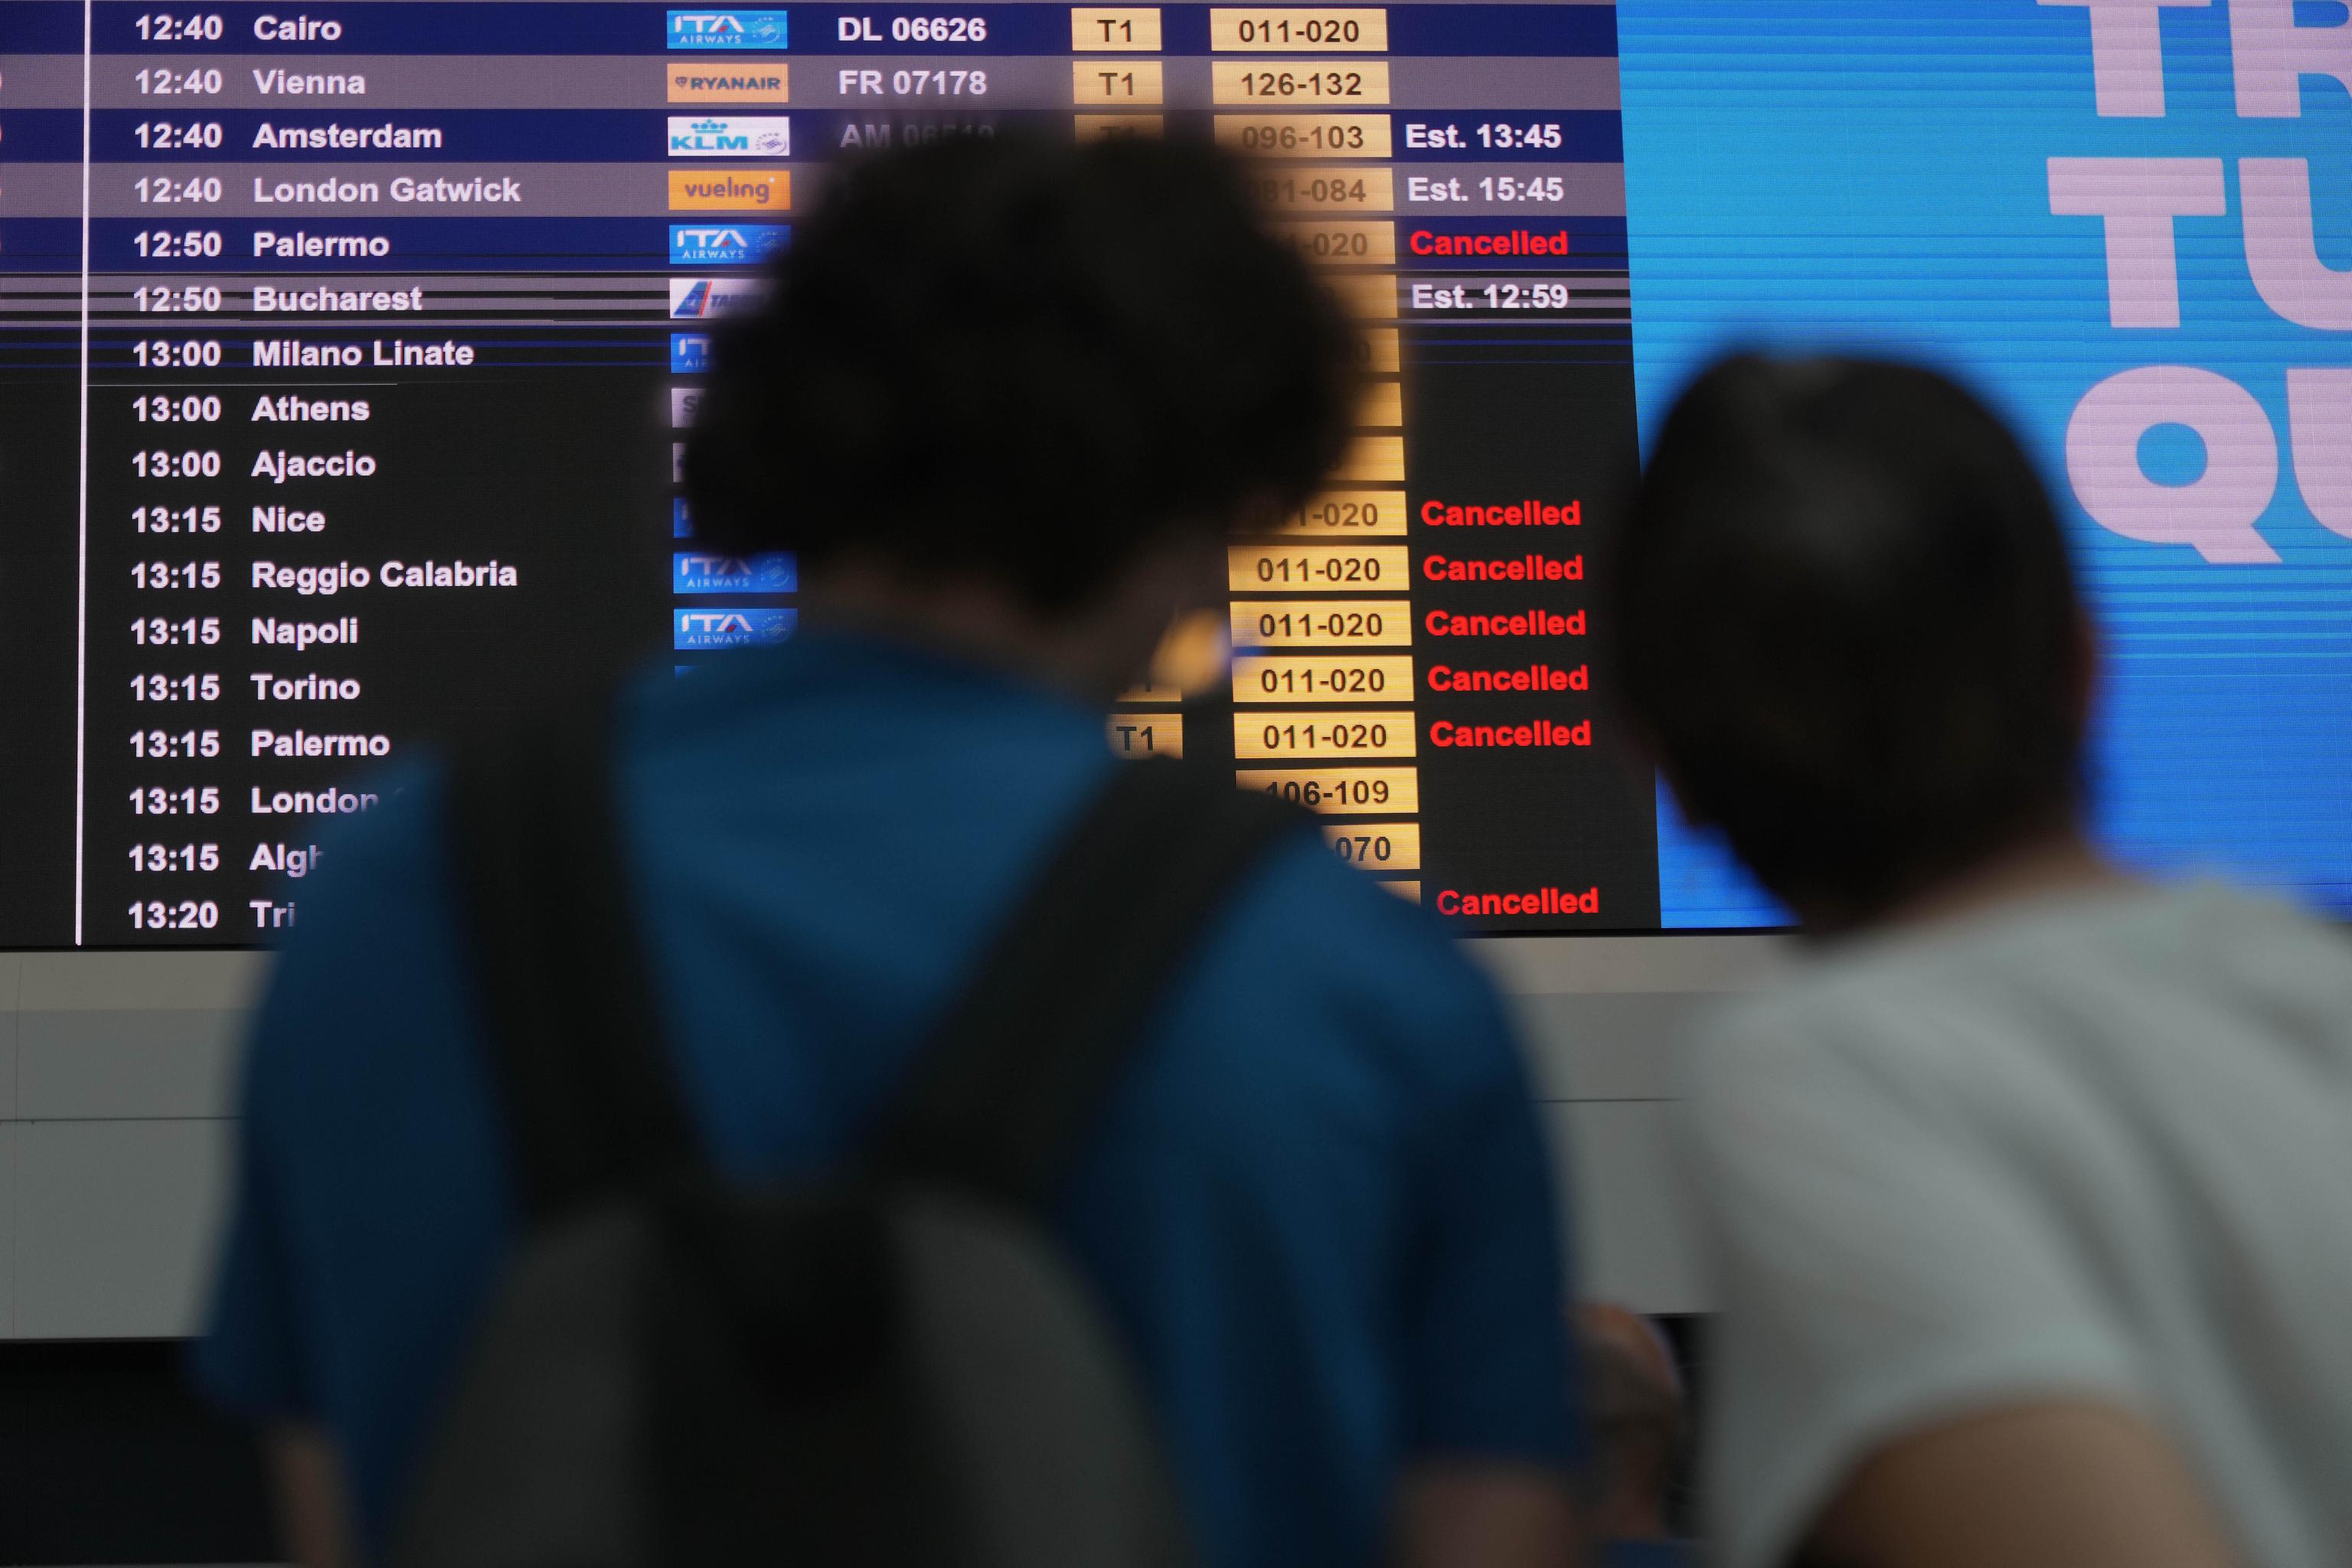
(745, 190)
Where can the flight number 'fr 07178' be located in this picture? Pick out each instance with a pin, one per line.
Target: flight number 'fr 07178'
(865, 83)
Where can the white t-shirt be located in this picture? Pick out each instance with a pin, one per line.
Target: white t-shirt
(2099, 1146)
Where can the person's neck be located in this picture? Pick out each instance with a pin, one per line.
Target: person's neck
(976, 622)
(2048, 865)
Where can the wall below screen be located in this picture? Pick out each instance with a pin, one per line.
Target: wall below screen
(106, 1457)
(118, 1078)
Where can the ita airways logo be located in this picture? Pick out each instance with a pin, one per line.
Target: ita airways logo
(690, 353)
(696, 631)
(729, 30)
(701, 299)
(694, 573)
(725, 245)
(724, 136)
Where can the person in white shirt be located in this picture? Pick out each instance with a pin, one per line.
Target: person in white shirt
(2030, 1195)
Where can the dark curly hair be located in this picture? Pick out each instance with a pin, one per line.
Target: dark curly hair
(1846, 619)
(1023, 359)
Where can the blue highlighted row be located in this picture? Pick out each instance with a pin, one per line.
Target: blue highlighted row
(635, 135)
(400, 244)
(630, 244)
(365, 27)
(297, 136)
(410, 244)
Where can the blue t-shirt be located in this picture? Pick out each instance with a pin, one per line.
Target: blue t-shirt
(1317, 1204)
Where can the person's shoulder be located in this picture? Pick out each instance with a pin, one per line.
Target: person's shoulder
(372, 913)
(378, 863)
(1861, 1019)
(1974, 1003)
(409, 800)
(2260, 938)
(1313, 940)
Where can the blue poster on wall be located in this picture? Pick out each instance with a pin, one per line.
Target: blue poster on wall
(2128, 223)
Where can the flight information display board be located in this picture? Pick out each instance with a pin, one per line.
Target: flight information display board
(345, 348)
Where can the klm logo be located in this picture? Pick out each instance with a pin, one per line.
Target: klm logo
(757, 136)
(705, 137)
(728, 30)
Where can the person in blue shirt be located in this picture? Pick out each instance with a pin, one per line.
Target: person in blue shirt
(1005, 401)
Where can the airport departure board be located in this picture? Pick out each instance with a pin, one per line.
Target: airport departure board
(345, 349)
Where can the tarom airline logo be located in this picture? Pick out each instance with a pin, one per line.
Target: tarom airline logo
(699, 630)
(745, 84)
(682, 402)
(725, 245)
(690, 352)
(698, 574)
(729, 30)
(731, 136)
(730, 191)
(701, 299)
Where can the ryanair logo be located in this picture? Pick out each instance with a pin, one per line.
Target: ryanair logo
(729, 30)
(755, 136)
(754, 84)
(730, 191)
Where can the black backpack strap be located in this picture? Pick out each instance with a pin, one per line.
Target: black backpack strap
(1071, 981)
(1013, 1075)
(590, 1097)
